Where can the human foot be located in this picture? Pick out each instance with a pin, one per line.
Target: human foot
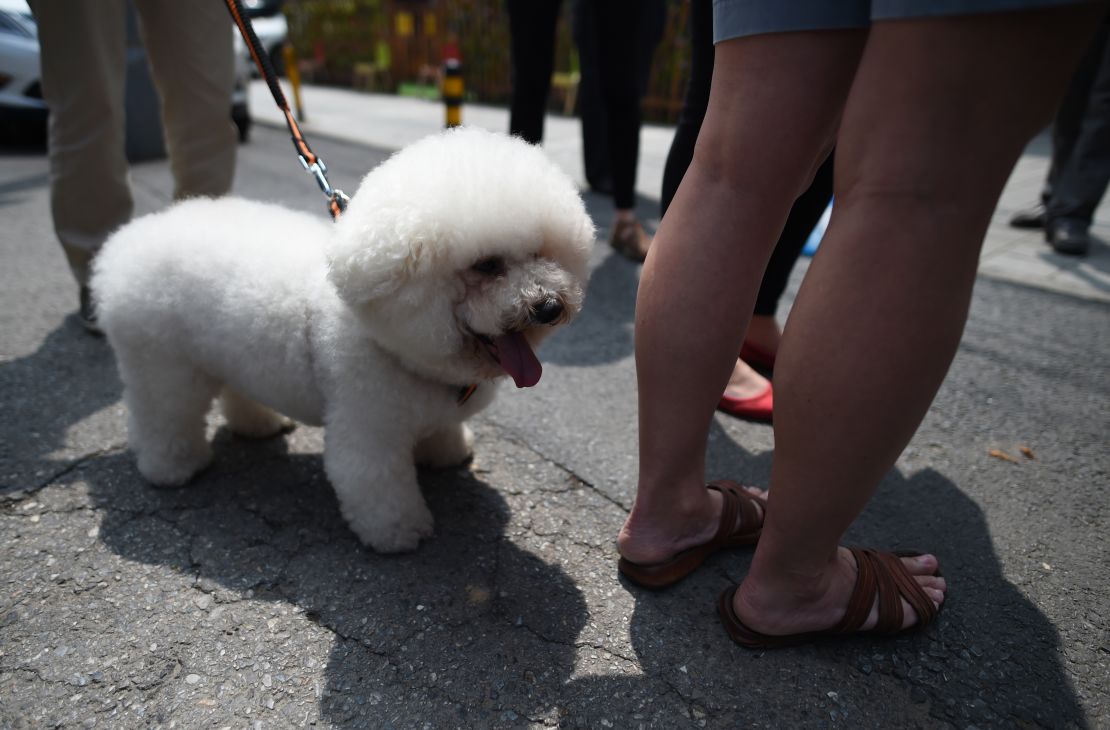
(863, 591)
(748, 395)
(656, 553)
(745, 383)
(630, 239)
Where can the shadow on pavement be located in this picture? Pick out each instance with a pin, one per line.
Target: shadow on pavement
(46, 394)
(603, 330)
(1097, 259)
(990, 659)
(467, 604)
(472, 624)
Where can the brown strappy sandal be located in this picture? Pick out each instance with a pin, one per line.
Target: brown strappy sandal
(877, 573)
(734, 500)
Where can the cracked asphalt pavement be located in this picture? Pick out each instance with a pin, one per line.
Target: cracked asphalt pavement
(242, 600)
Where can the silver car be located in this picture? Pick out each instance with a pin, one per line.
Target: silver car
(20, 89)
(21, 104)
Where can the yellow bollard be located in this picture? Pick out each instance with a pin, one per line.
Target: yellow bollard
(453, 91)
(294, 75)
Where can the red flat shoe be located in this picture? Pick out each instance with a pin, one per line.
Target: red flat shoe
(757, 357)
(758, 408)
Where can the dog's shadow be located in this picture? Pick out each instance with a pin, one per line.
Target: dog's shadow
(482, 623)
(477, 630)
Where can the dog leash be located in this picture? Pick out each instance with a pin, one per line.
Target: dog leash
(337, 199)
(314, 165)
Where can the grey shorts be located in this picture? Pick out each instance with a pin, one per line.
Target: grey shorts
(738, 18)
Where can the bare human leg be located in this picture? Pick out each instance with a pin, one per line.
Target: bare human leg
(764, 332)
(937, 116)
(747, 170)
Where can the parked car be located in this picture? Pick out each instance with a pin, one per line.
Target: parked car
(21, 104)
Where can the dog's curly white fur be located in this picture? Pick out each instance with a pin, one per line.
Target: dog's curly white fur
(453, 252)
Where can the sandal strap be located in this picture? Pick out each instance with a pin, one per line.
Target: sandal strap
(882, 575)
(863, 595)
(730, 505)
(890, 595)
(911, 590)
(749, 514)
(736, 499)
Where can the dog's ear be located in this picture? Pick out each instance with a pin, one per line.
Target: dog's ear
(370, 263)
(362, 275)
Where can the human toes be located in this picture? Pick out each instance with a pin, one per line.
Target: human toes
(937, 597)
(923, 565)
(932, 581)
(934, 587)
(923, 568)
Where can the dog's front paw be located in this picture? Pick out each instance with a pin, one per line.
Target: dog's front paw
(389, 529)
(172, 467)
(448, 447)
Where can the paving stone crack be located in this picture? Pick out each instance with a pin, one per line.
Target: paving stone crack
(513, 438)
(78, 463)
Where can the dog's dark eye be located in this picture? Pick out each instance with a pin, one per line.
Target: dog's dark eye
(490, 266)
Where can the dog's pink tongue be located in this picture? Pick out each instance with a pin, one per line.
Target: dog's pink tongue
(518, 360)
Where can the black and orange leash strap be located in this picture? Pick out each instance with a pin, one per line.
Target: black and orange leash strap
(337, 200)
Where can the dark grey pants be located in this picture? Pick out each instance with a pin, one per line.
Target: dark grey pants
(1080, 169)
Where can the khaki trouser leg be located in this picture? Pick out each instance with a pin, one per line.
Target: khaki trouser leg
(189, 45)
(83, 60)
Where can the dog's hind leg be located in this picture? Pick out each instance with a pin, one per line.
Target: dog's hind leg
(167, 401)
(247, 418)
(446, 447)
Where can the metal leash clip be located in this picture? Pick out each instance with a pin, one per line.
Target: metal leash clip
(337, 199)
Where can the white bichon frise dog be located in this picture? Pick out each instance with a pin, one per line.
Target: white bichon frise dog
(454, 259)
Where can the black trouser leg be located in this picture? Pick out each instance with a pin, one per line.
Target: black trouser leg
(532, 51)
(617, 23)
(694, 101)
(807, 210)
(1078, 179)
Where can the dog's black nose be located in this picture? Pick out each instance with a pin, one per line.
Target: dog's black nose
(547, 311)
